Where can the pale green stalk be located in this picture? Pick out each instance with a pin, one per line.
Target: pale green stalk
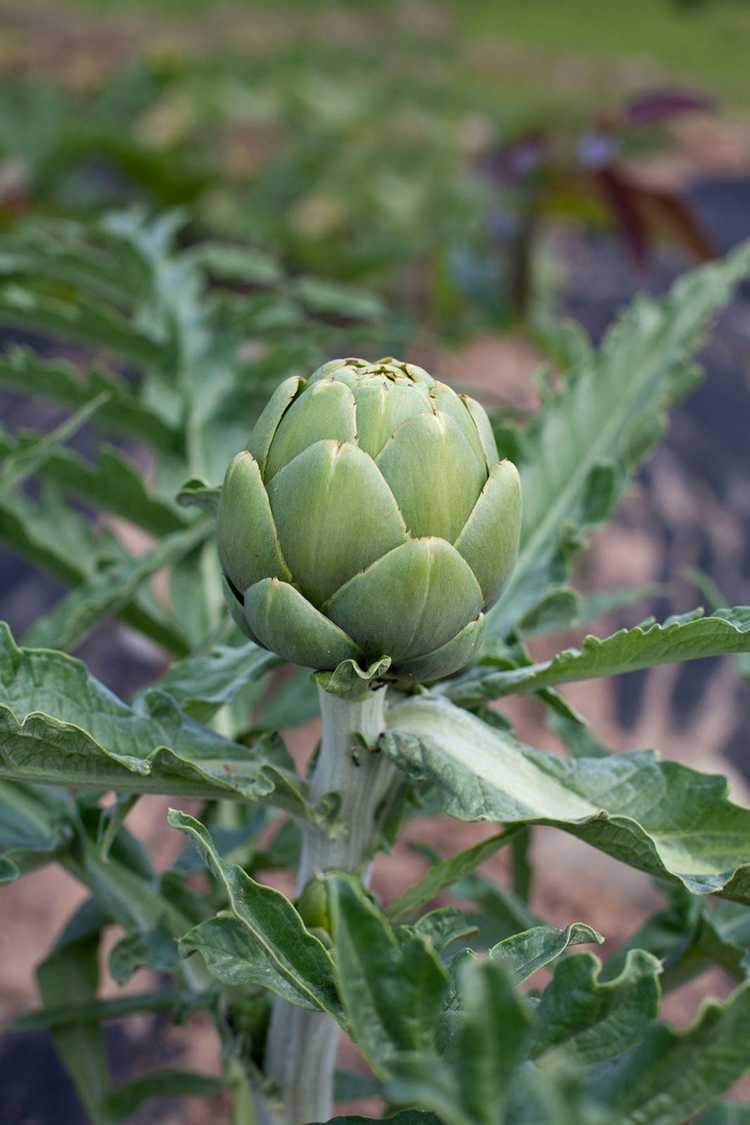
(301, 1051)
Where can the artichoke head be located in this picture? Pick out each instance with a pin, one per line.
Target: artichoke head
(370, 516)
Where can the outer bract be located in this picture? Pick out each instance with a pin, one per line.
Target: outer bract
(370, 516)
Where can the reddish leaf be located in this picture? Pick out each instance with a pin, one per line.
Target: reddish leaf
(621, 196)
(664, 103)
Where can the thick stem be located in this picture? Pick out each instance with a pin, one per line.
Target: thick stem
(301, 1051)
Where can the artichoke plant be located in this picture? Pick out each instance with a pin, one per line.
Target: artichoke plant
(370, 516)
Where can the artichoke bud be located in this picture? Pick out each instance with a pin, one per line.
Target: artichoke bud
(370, 516)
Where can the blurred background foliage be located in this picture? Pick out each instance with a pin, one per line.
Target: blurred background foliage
(418, 148)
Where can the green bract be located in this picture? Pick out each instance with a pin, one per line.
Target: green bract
(370, 516)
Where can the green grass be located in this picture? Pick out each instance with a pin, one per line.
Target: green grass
(705, 43)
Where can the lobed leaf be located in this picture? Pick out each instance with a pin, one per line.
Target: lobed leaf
(594, 1019)
(61, 726)
(671, 1075)
(691, 935)
(22, 462)
(60, 540)
(260, 939)
(524, 953)
(472, 1085)
(111, 483)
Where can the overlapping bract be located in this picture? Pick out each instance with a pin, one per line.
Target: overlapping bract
(370, 516)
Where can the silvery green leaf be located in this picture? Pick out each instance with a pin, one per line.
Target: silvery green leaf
(203, 683)
(25, 460)
(35, 823)
(60, 726)
(690, 936)
(594, 1019)
(724, 632)
(607, 417)
(112, 483)
(56, 537)
(392, 991)
(195, 493)
(294, 702)
(671, 1075)
(658, 816)
(471, 1086)
(441, 927)
(260, 938)
(524, 953)
(499, 913)
(725, 1113)
(405, 1117)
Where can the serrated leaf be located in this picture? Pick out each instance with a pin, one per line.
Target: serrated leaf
(671, 1075)
(658, 816)
(472, 1085)
(109, 592)
(563, 607)
(444, 873)
(725, 632)
(260, 939)
(391, 990)
(524, 953)
(202, 684)
(594, 1019)
(60, 726)
(610, 414)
